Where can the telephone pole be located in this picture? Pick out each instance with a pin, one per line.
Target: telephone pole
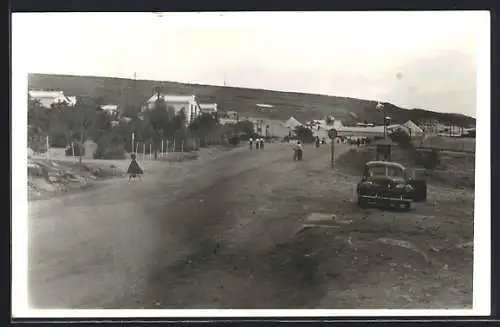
(332, 134)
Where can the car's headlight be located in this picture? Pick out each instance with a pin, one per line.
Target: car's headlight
(405, 187)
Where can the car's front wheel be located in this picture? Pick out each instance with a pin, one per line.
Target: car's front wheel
(362, 202)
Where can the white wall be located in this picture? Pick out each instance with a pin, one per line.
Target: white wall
(48, 101)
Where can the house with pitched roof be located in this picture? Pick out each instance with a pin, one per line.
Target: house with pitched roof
(48, 98)
(208, 108)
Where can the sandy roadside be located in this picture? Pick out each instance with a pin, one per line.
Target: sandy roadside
(235, 238)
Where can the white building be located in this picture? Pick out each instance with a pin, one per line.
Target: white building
(71, 101)
(177, 103)
(47, 98)
(110, 108)
(269, 127)
(292, 123)
(208, 108)
(321, 127)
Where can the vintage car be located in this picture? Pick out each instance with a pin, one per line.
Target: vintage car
(389, 184)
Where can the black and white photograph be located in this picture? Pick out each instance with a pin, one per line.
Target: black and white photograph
(271, 163)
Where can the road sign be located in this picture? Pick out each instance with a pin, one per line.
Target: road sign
(332, 133)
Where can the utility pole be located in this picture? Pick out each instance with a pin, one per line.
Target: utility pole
(332, 150)
(333, 135)
(225, 81)
(158, 93)
(380, 107)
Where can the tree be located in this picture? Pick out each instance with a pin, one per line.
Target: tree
(159, 120)
(130, 111)
(400, 137)
(82, 118)
(244, 127)
(180, 120)
(38, 125)
(60, 127)
(38, 115)
(304, 134)
(203, 125)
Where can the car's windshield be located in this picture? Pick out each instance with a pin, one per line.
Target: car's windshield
(389, 171)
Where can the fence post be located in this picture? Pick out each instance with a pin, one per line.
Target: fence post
(143, 151)
(136, 148)
(73, 150)
(182, 145)
(48, 146)
(150, 157)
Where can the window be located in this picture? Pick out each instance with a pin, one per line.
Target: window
(382, 170)
(377, 171)
(396, 173)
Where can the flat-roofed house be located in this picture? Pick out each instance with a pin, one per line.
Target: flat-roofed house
(177, 103)
(47, 98)
(110, 108)
(208, 108)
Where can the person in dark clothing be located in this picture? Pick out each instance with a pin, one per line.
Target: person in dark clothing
(257, 143)
(261, 143)
(250, 142)
(317, 141)
(134, 170)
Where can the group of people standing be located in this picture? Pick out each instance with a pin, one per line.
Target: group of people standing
(259, 143)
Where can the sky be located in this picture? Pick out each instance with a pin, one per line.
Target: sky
(412, 59)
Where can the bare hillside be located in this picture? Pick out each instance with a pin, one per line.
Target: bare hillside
(285, 104)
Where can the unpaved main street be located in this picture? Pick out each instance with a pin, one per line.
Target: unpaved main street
(228, 233)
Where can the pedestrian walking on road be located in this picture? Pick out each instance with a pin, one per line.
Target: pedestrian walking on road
(250, 143)
(134, 170)
(261, 143)
(297, 151)
(257, 143)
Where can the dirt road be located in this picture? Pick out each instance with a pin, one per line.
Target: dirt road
(228, 233)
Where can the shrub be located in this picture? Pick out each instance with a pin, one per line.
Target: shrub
(57, 139)
(428, 160)
(234, 140)
(115, 152)
(402, 139)
(37, 140)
